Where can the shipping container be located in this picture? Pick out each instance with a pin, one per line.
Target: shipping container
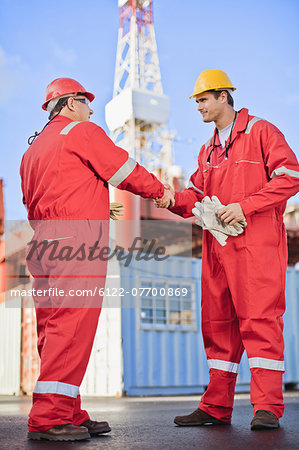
(10, 348)
(164, 355)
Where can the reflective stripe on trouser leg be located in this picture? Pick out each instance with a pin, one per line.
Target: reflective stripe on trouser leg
(264, 337)
(66, 335)
(221, 336)
(259, 300)
(42, 315)
(65, 356)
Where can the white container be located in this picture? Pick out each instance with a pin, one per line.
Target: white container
(10, 349)
(137, 104)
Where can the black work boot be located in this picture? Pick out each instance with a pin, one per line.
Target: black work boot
(264, 420)
(68, 432)
(95, 428)
(197, 418)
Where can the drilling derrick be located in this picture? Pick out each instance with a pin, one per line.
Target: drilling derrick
(138, 112)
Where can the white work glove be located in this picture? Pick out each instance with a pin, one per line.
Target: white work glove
(207, 218)
(116, 209)
(218, 235)
(212, 221)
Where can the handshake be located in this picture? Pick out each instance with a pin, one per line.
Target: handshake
(117, 209)
(167, 201)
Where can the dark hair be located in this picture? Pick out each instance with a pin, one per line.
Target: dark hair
(61, 103)
(230, 100)
(58, 107)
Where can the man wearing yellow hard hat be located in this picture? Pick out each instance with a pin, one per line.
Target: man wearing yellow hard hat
(246, 172)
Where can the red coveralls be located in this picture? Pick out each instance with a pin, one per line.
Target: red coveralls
(65, 175)
(243, 283)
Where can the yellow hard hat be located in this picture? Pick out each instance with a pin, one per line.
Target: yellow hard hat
(211, 80)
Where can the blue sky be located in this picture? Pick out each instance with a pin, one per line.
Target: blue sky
(255, 42)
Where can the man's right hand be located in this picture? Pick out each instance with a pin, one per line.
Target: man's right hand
(231, 214)
(167, 201)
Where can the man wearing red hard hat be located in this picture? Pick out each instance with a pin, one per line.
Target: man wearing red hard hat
(65, 176)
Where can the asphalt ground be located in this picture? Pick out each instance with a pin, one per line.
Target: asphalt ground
(147, 423)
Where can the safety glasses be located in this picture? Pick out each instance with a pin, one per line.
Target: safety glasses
(82, 100)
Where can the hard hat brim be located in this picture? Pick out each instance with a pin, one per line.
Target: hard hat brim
(89, 95)
(195, 94)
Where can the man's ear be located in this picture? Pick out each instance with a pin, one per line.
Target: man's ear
(223, 96)
(70, 104)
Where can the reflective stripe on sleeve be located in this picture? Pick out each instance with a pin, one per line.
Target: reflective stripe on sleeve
(123, 172)
(284, 171)
(265, 363)
(68, 128)
(227, 366)
(251, 123)
(191, 185)
(56, 387)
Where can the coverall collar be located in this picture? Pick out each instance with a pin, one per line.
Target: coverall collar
(241, 122)
(62, 119)
(240, 125)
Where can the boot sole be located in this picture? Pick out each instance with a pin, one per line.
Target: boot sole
(36, 436)
(96, 433)
(199, 424)
(263, 426)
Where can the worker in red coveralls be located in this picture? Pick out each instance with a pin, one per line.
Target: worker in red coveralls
(249, 166)
(65, 177)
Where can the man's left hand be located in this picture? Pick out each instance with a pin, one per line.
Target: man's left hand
(167, 201)
(116, 209)
(231, 214)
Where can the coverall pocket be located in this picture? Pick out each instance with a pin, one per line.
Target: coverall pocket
(249, 177)
(262, 230)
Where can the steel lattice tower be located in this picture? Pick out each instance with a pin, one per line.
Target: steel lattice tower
(138, 113)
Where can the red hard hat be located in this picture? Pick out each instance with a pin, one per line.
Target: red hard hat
(64, 86)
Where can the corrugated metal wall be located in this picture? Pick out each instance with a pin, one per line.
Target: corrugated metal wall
(10, 349)
(161, 362)
(174, 362)
(104, 372)
(291, 327)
